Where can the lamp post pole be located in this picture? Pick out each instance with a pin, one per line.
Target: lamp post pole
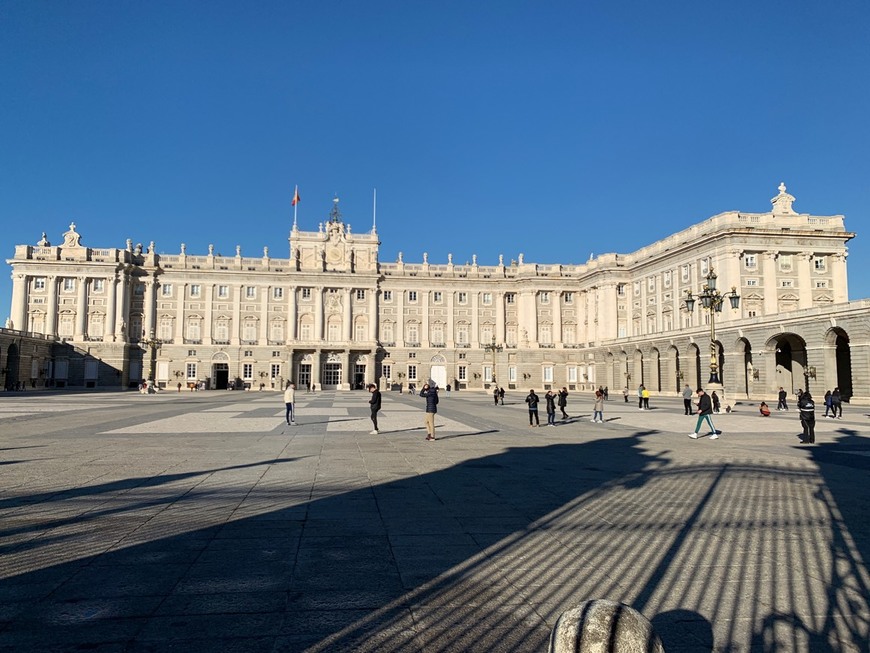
(153, 344)
(492, 347)
(712, 300)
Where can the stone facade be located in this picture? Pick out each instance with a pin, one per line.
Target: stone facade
(332, 315)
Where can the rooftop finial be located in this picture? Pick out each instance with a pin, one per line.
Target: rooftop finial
(782, 202)
(335, 214)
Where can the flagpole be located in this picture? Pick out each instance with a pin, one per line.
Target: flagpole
(375, 211)
(295, 207)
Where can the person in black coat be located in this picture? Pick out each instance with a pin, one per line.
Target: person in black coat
(431, 395)
(532, 400)
(375, 405)
(808, 417)
(781, 397)
(563, 401)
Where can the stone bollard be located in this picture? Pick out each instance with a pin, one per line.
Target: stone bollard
(602, 626)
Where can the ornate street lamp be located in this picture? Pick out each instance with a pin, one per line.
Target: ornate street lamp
(711, 300)
(152, 344)
(494, 348)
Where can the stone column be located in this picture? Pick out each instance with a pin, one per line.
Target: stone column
(208, 315)
(475, 318)
(236, 330)
(346, 372)
(370, 366)
(450, 336)
(400, 318)
(111, 307)
(291, 315)
(150, 311)
(315, 369)
(768, 274)
(81, 307)
(557, 319)
(607, 312)
(804, 264)
(373, 314)
(264, 315)
(19, 301)
(347, 318)
(839, 281)
(51, 305)
(318, 317)
(425, 336)
(179, 313)
(499, 317)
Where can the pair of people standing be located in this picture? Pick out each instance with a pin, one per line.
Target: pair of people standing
(642, 397)
(834, 404)
(497, 395)
(431, 396)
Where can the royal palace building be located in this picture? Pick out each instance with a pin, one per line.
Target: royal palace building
(333, 316)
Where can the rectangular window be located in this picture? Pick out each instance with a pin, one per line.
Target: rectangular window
(705, 266)
(487, 374)
(387, 371)
(388, 295)
(462, 298)
(572, 374)
(277, 293)
(437, 296)
(750, 261)
(462, 355)
(249, 353)
(651, 284)
(463, 373)
(191, 371)
(412, 296)
(306, 293)
(487, 298)
(510, 298)
(752, 282)
(191, 352)
(548, 374)
(250, 292)
(275, 370)
(667, 277)
(545, 297)
(276, 353)
(39, 283)
(512, 374)
(685, 272)
(821, 284)
(195, 290)
(166, 290)
(569, 297)
(248, 371)
(99, 285)
(412, 354)
(139, 289)
(412, 372)
(786, 283)
(69, 285)
(360, 294)
(819, 263)
(751, 313)
(223, 292)
(786, 262)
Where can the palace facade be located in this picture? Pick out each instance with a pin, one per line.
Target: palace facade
(332, 315)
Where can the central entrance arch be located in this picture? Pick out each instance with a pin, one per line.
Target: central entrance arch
(438, 371)
(220, 370)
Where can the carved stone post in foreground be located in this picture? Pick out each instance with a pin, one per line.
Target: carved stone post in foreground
(602, 626)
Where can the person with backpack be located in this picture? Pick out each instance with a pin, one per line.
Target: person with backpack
(837, 403)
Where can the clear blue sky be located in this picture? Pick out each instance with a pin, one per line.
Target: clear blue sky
(555, 129)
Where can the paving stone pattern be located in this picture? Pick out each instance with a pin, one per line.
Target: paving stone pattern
(202, 522)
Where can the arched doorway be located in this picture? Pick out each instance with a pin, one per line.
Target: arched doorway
(11, 367)
(655, 381)
(747, 373)
(839, 358)
(693, 367)
(438, 371)
(674, 373)
(790, 361)
(220, 370)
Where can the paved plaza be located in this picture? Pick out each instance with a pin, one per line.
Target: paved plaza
(202, 522)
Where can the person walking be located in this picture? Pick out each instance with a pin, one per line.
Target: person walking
(375, 405)
(781, 399)
(598, 408)
(550, 398)
(431, 395)
(837, 404)
(715, 399)
(687, 400)
(495, 395)
(532, 400)
(563, 401)
(501, 395)
(808, 417)
(640, 397)
(289, 401)
(705, 409)
(828, 404)
(645, 397)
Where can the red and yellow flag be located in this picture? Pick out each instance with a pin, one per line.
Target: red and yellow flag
(296, 197)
